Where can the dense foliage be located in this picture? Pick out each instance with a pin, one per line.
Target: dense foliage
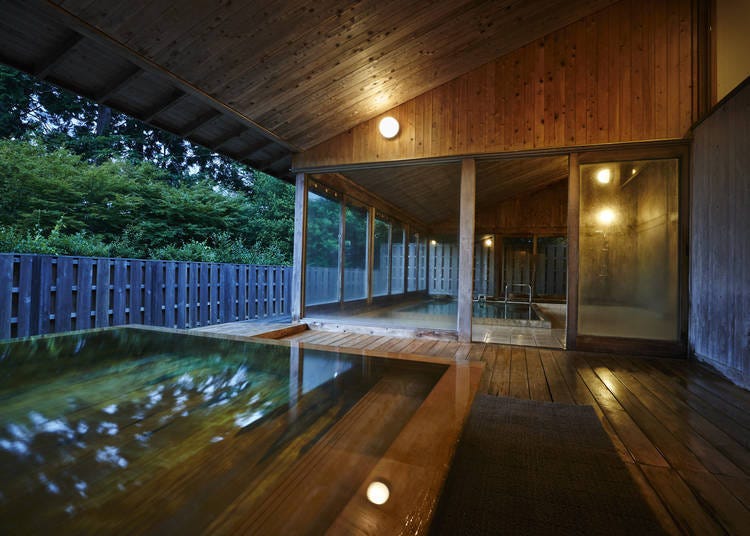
(77, 178)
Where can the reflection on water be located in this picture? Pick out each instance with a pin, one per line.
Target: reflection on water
(85, 418)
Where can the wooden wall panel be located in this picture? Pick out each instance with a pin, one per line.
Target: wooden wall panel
(719, 239)
(623, 74)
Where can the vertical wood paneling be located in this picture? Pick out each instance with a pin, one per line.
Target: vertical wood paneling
(623, 74)
(719, 326)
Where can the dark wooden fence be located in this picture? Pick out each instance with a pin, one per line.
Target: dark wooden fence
(50, 294)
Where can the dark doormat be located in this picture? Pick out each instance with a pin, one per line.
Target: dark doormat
(525, 467)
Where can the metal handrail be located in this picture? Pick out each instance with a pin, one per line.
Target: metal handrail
(507, 285)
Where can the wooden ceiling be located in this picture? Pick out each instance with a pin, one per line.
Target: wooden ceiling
(431, 192)
(258, 81)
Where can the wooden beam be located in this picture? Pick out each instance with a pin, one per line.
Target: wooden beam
(300, 236)
(255, 148)
(174, 99)
(104, 95)
(284, 160)
(200, 121)
(466, 248)
(574, 187)
(236, 133)
(43, 70)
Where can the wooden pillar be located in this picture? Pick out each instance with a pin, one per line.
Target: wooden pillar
(574, 186)
(300, 236)
(466, 248)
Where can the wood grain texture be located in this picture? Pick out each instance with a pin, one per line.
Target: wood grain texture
(466, 249)
(682, 431)
(719, 241)
(620, 75)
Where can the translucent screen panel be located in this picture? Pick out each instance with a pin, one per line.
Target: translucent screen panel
(628, 250)
(322, 250)
(412, 263)
(355, 253)
(397, 258)
(422, 262)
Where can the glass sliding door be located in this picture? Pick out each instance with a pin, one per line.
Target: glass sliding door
(322, 283)
(355, 253)
(628, 250)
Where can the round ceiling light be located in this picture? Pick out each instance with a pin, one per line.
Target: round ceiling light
(388, 127)
(378, 492)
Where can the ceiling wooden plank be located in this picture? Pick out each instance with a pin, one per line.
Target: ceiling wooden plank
(67, 48)
(106, 93)
(91, 32)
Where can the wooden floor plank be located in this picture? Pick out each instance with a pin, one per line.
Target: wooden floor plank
(500, 380)
(559, 390)
(538, 388)
(680, 429)
(462, 352)
(730, 512)
(681, 502)
(519, 376)
(701, 435)
(637, 443)
(490, 355)
(674, 451)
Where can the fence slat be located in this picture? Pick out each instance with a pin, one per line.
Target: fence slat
(252, 293)
(63, 294)
(102, 293)
(242, 292)
(120, 285)
(83, 298)
(45, 294)
(169, 293)
(26, 288)
(137, 274)
(193, 295)
(204, 294)
(6, 295)
(182, 286)
(157, 296)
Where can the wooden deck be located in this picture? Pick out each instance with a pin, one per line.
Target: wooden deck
(683, 431)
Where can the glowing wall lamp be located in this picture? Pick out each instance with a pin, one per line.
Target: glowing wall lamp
(604, 175)
(388, 127)
(606, 216)
(488, 242)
